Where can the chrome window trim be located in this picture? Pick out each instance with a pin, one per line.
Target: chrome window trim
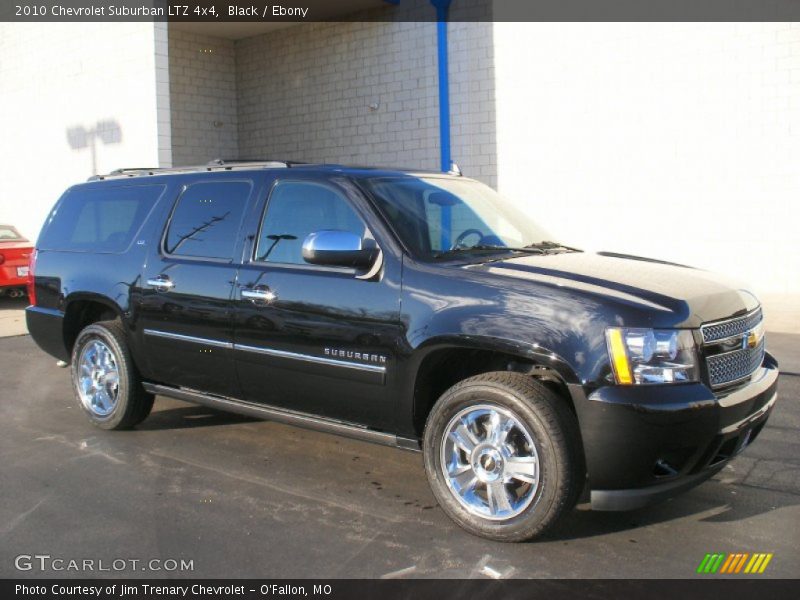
(309, 358)
(268, 351)
(188, 338)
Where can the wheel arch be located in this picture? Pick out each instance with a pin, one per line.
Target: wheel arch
(82, 309)
(441, 362)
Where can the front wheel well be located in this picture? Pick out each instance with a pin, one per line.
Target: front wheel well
(443, 368)
(82, 313)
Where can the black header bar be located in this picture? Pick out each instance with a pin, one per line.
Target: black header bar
(221, 11)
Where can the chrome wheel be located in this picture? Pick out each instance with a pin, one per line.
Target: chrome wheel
(490, 462)
(98, 378)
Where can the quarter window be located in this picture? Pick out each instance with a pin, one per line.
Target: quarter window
(101, 219)
(295, 210)
(206, 220)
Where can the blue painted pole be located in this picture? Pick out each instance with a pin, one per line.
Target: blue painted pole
(442, 7)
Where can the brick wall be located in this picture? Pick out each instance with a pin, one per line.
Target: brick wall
(366, 93)
(202, 95)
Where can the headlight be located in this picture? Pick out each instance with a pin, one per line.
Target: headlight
(652, 355)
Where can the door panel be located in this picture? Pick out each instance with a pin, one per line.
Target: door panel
(315, 339)
(187, 329)
(185, 311)
(325, 345)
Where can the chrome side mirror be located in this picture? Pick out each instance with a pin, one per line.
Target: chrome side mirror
(336, 248)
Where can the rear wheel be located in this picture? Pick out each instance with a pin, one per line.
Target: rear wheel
(502, 454)
(105, 379)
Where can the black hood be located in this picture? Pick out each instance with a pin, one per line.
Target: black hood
(700, 296)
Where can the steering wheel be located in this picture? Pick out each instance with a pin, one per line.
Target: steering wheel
(459, 243)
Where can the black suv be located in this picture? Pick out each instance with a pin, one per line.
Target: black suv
(420, 310)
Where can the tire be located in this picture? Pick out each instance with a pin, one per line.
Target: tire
(537, 465)
(105, 380)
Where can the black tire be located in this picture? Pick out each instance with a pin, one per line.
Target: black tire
(554, 431)
(133, 404)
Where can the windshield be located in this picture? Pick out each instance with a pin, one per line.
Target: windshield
(439, 217)
(8, 233)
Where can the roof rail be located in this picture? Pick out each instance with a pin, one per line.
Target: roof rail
(218, 164)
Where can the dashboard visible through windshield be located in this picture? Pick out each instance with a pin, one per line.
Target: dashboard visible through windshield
(439, 217)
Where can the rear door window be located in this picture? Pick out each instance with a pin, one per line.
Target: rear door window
(101, 220)
(206, 219)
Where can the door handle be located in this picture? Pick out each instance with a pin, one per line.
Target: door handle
(162, 283)
(259, 295)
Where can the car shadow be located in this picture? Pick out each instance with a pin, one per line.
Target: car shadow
(188, 417)
(7, 303)
(712, 499)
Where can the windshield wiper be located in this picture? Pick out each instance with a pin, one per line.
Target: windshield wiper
(487, 248)
(548, 245)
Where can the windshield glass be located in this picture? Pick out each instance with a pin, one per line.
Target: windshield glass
(9, 233)
(440, 217)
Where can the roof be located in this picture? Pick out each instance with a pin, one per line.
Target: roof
(254, 165)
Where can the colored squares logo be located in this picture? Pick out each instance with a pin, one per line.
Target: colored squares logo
(736, 563)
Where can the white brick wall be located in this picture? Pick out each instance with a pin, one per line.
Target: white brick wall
(202, 97)
(680, 141)
(305, 93)
(54, 77)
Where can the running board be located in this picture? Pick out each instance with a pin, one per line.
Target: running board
(278, 415)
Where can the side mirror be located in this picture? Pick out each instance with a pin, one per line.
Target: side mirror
(335, 248)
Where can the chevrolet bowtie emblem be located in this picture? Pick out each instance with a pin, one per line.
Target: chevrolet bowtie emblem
(751, 339)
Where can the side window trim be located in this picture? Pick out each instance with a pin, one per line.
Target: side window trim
(162, 246)
(253, 251)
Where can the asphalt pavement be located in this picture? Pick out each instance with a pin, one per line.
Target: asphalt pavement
(245, 498)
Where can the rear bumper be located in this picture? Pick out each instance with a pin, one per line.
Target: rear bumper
(646, 444)
(46, 327)
(13, 282)
(9, 277)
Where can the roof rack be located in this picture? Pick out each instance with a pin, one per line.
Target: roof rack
(218, 164)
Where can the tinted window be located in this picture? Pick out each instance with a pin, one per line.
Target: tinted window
(438, 215)
(206, 219)
(101, 219)
(9, 233)
(296, 209)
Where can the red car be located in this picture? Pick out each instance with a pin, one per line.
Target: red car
(15, 254)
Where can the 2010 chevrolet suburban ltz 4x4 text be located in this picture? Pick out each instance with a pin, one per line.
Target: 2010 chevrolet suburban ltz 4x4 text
(412, 309)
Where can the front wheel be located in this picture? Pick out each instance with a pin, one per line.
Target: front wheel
(105, 379)
(502, 455)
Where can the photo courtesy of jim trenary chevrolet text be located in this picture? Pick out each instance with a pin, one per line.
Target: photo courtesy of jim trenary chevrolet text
(399, 298)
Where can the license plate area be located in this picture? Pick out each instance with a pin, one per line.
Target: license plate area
(23, 271)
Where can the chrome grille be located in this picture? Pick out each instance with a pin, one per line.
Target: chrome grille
(731, 327)
(728, 357)
(733, 366)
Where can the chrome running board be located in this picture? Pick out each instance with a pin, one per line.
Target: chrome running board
(279, 415)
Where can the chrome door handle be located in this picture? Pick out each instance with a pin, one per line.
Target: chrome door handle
(257, 295)
(162, 283)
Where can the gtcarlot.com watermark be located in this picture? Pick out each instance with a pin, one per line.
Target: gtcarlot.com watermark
(48, 563)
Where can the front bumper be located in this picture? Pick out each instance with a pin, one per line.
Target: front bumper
(644, 444)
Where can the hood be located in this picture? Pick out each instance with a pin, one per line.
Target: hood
(694, 296)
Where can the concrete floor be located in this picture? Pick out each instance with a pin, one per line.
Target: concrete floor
(251, 498)
(12, 317)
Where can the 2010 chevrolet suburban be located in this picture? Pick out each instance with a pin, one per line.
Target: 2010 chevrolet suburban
(414, 309)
